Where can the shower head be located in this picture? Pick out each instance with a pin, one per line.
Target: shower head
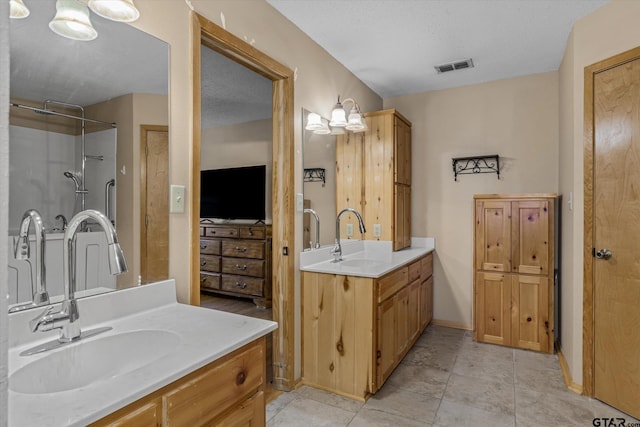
(73, 177)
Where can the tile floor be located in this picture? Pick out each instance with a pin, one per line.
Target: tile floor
(449, 380)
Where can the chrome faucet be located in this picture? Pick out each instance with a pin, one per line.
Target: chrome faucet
(23, 253)
(66, 318)
(64, 222)
(337, 249)
(317, 218)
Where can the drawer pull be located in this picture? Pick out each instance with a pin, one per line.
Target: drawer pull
(241, 285)
(250, 232)
(203, 263)
(203, 280)
(241, 377)
(241, 267)
(203, 246)
(239, 249)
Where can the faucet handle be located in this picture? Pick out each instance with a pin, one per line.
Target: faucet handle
(34, 324)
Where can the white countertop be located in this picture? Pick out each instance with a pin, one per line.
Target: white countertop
(205, 336)
(365, 258)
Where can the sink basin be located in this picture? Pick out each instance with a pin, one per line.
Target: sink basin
(86, 362)
(361, 263)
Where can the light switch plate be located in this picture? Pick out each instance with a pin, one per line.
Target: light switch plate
(377, 230)
(349, 230)
(299, 202)
(176, 204)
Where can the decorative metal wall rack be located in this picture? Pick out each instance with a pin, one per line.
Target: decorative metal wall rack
(314, 175)
(476, 164)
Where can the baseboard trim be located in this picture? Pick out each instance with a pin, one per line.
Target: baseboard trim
(449, 324)
(566, 374)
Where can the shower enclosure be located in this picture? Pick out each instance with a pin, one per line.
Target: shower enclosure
(61, 162)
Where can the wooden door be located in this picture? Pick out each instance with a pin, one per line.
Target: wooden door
(493, 235)
(402, 153)
(402, 217)
(154, 203)
(493, 308)
(413, 308)
(402, 321)
(616, 204)
(530, 236)
(349, 178)
(530, 314)
(386, 346)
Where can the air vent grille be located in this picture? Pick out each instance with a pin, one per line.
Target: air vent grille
(452, 66)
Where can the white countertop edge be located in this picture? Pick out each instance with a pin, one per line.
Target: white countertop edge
(199, 347)
(380, 252)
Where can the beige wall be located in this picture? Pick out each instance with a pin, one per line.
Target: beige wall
(129, 112)
(243, 144)
(610, 30)
(515, 118)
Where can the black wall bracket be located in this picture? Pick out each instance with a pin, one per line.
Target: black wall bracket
(476, 164)
(314, 175)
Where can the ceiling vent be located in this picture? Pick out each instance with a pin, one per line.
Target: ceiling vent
(452, 66)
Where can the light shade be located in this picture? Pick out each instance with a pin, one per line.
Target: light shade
(17, 9)
(338, 116)
(314, 122)
(356, 123)
(72, 21)
(116, 10)
(324, 130)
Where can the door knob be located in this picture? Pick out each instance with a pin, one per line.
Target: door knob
(603, 254)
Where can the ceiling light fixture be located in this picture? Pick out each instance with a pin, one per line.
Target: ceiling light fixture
(355, 122)
(17, 9)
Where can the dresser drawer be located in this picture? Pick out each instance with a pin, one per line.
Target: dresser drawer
(206, 396)
(243, 248)
(210, 247)
(209, 281)
(243, 266)
(242, 284)
(210, 263)
(222, 232)
(251, 232)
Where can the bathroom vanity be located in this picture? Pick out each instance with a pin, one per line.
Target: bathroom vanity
(154, 367)
(362, 315)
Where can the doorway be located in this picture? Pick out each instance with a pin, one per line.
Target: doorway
(207, 33)
(154, 203)
(612, 207)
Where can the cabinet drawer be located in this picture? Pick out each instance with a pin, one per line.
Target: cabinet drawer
(210, 263)
(208, 395)
(414, 271)
(222, 232)
(392, 283)
(210, 247)
(211, 281)
(243, 266)
(252, 232)
(426, 267)
(243, 285)
(243, 248)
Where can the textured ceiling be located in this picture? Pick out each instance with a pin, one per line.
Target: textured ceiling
(393, 45)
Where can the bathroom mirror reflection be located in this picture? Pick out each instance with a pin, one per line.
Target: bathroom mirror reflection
(119, 84)
(319, 188)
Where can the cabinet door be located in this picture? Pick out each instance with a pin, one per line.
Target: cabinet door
(402, 217)
(402, 152)
(147, 415)
(426, 302)
(493, 235)
(249, 413)
(530, 315)
(403, 334)
(493, 308)
(530, 236)
(386, 346)
(413, 309)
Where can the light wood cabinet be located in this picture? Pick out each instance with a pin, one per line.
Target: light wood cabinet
(514, 262)
(356, 330)
(236, 260)
(373, 176)
(229, 391)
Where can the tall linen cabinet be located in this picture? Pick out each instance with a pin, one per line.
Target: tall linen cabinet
(515, 264)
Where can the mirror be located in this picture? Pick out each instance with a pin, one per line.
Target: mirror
(120, 78)
(319, 185)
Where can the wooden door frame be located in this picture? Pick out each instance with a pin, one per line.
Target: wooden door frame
(143, 191)
(227, 44)
(588, 319)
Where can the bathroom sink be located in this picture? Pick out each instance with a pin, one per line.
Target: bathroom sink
(86, 362)
(361, 263)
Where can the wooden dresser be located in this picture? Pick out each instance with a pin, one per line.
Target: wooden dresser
(236, 260)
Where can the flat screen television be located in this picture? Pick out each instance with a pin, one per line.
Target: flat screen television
(233, 193)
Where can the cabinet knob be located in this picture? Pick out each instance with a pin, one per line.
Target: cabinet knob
(241, 377)
(241, 267)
